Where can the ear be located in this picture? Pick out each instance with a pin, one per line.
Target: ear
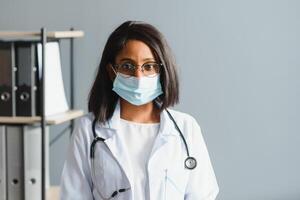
(110, 71)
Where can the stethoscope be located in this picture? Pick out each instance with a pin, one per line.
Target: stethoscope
(189, 163)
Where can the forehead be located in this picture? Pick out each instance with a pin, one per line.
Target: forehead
(135, 50)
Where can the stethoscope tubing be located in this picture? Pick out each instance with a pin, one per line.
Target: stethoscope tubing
(179, 131)
(92, 155)
(190, 162)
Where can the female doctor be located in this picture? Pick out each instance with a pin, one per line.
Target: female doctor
(131, 146)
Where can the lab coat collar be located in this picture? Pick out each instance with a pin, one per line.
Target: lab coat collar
(112, 125)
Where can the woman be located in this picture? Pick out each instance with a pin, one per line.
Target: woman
(130, 146)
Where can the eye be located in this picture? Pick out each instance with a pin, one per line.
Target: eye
(150, 66)
(127, 66)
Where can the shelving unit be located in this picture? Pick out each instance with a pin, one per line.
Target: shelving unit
(43, 36)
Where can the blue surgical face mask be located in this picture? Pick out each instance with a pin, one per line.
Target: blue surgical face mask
(137, 91)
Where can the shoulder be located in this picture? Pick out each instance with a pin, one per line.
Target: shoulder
(188, 125)
(83, 128)
(182, 117)
(86, 120)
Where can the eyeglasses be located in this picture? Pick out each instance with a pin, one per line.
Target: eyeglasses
(148, 69)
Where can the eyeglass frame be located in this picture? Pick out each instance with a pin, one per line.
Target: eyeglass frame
(115, 67)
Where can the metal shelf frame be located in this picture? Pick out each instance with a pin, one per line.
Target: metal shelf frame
(44, 39)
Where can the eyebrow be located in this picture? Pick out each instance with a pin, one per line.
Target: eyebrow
(129, 59)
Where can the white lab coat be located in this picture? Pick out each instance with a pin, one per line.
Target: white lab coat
(168, 179)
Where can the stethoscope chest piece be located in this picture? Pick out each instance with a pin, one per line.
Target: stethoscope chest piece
(190, 163)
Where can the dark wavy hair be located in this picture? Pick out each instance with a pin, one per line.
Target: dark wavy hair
(102, 100)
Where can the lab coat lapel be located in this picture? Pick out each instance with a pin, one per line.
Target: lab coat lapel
(163, 144)
(161, 155)
(109, 131)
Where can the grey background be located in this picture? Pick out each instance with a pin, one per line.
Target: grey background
(239, 71)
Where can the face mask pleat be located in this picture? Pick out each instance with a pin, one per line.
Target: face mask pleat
(137, 91)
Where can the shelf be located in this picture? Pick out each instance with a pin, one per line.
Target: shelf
(51, 34)
(53, 193)
(50, 120)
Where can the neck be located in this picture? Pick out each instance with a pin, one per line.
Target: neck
(147, 113)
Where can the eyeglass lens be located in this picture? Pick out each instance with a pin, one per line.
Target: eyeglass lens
(147, 69)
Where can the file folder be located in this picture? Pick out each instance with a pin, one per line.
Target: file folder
(2, 163)
(32, 162)
(55, 96)
(7, 79)
(24, 162)
(25, 79)
(14, 153)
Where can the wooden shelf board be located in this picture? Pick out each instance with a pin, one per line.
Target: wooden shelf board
(50, 34)
(63, 117)
(50, 120)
